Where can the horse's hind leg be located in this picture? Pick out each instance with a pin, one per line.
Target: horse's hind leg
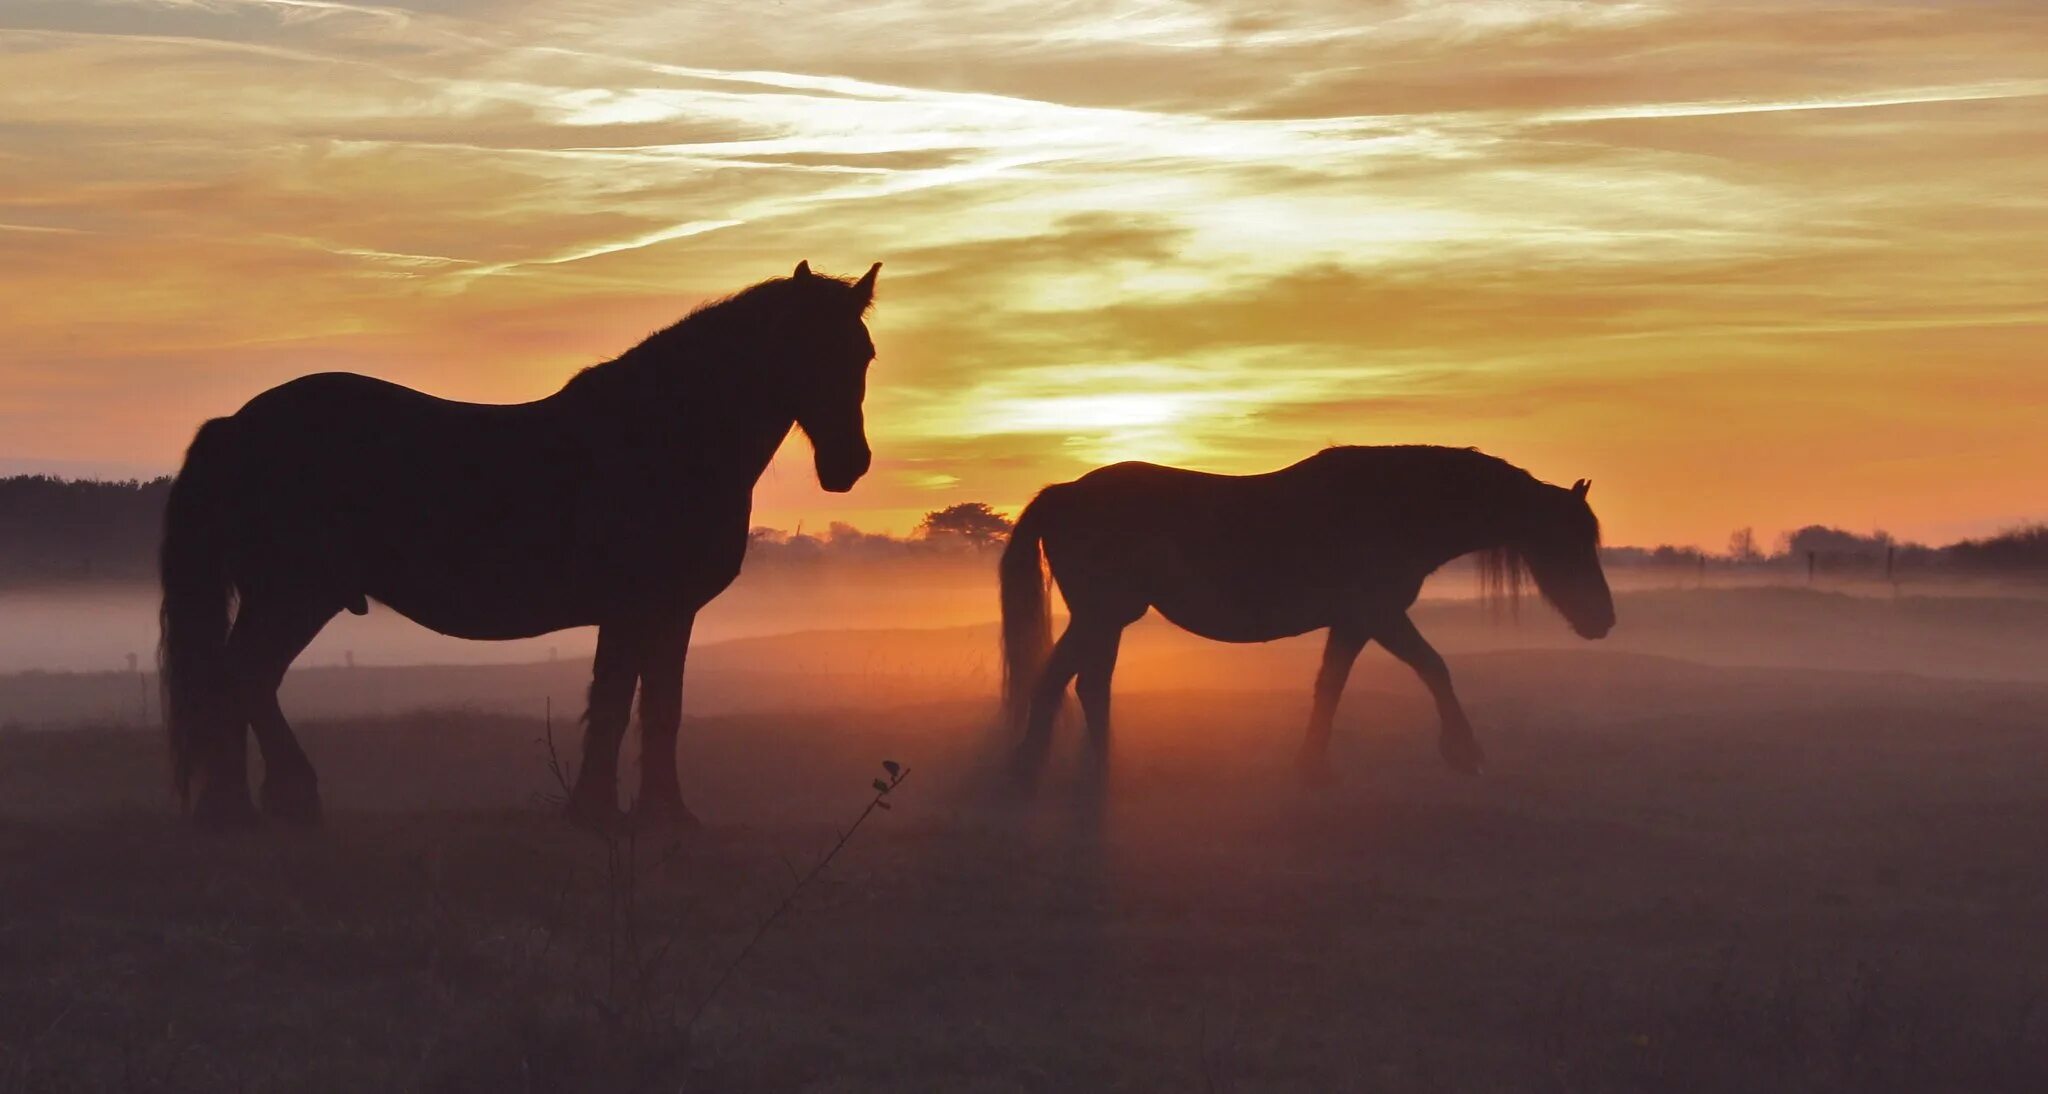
(1087, 648)
(1340, 650)
(613, 672)
(1460, 749)
(221, 757)
(1095, 657)
(268, 635)
(1060, 667)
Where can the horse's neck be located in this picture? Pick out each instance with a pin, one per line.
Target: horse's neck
(728, 443)
(1475, 521)
(1497, 521)
(709, 428)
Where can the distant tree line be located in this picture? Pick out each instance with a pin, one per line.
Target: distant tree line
(965, 530)
(2020, 552)
(83, 530)
(57, 530)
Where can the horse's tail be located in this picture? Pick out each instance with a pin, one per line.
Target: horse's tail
(192, 653)
(1027, 614)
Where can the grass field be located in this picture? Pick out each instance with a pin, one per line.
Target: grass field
(1675, 876)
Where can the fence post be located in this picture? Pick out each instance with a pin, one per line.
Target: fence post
(1809, 567)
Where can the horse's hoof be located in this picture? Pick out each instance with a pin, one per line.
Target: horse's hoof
(224, 810)
(669, 813)
(292, 801)
(1462, 754)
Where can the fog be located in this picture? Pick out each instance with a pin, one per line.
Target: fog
(93, 629)
(96, 628)
(870, 634)
(1758, 834)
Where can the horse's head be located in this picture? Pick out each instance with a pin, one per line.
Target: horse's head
(1560, 544)
(827, 355)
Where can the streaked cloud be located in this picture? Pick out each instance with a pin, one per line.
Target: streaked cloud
(1734, 262)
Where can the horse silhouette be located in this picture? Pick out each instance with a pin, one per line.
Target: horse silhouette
(1341, 540)
(620, 501)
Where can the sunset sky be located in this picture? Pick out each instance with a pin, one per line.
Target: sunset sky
(1756, 264)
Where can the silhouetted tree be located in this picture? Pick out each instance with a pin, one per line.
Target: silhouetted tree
(972, 521)
(1667, 555)
(2020, 549)
(1836, 543)
(1742, 546)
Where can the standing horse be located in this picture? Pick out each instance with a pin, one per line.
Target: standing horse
(621, 501)
(1341, 540)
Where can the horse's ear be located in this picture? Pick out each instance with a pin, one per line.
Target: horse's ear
(865, 287)
(1580, 487)
(803, 270)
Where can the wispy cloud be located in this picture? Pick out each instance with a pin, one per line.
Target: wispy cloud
(1114, 228)
(43, 229)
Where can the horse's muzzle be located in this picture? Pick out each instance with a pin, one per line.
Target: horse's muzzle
(838, 476)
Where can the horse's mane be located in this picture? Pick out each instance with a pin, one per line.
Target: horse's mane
(1503, 571)
(1502, 575)
(708, 322)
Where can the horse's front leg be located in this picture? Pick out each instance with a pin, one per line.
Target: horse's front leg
(1460, 749)
(620, 653)
(661, 715)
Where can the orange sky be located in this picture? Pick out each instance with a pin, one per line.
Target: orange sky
(1741, 264)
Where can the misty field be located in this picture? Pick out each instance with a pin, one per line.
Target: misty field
(1790, 874)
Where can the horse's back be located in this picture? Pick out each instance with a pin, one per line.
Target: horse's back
(360, 487)
(1231, 557)
(1180, 500)
(1350, 486)
(376, 443)
(351, 401)
(1144, 475)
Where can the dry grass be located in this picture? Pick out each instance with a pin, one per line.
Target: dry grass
(1673, 878)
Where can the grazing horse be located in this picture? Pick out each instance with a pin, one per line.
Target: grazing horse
(621, 502)
(1341, 540)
